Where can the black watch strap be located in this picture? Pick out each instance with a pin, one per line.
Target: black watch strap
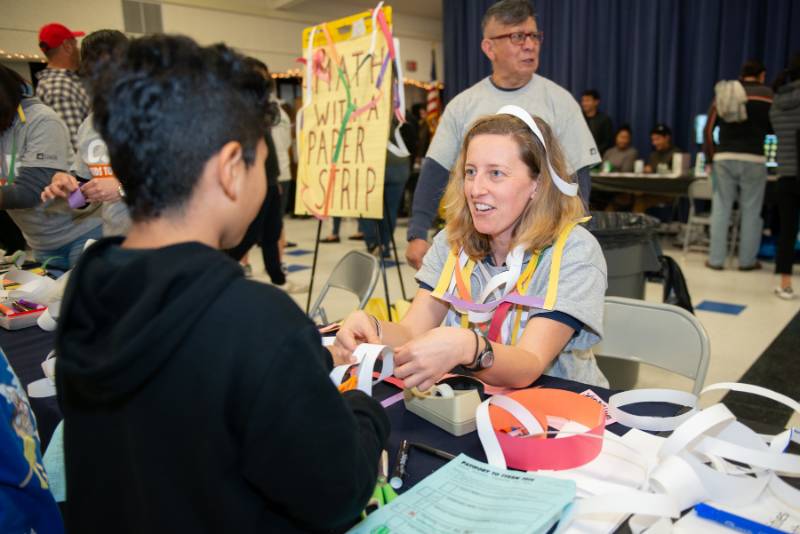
(476, 364)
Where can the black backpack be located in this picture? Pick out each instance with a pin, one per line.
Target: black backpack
(675, 289)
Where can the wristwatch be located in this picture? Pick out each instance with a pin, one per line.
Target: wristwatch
(484, 359)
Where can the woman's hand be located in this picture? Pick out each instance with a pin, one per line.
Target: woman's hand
(359, 327)
(101, 190)
(340, 355)
(423, 361)
(62, 185)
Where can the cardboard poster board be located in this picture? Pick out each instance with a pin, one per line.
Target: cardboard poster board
(347, 111)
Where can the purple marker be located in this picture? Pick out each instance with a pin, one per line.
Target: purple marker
(29, 304)
(76, 199)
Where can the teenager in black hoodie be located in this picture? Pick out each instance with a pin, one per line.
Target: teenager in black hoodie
(195, 400)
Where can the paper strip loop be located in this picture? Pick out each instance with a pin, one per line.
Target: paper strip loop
(530, 408)
(366, 354)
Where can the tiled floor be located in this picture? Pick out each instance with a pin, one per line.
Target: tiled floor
(736, 340)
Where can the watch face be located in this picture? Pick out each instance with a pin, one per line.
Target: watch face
(487, 359)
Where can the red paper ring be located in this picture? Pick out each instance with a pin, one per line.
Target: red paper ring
(533, 454)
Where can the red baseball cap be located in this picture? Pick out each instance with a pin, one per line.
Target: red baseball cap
(54, 34)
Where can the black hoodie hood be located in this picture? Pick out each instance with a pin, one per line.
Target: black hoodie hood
(119, 300)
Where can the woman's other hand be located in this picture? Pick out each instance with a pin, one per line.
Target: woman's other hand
(423, 361)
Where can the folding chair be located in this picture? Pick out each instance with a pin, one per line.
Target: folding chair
(658, 334)
(357, 272)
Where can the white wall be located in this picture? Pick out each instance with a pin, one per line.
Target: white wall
(20, 20)
(269, 35)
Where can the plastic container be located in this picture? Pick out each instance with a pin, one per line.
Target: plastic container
(20, 320)
(631, 249)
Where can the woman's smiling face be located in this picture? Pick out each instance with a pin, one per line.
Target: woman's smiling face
(497, 184)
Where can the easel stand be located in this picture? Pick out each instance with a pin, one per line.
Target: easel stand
(313, 266)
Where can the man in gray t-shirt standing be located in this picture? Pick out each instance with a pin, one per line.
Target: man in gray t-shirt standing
(511, 41)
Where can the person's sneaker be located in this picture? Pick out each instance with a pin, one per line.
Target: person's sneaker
(293, 288)
(755, 267)
(785, 293)
(714, 267)
(291, 244)
(284, 268)
(248, 270)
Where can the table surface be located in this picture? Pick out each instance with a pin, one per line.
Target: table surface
(657, 184)
(26, 349)
(409, 426)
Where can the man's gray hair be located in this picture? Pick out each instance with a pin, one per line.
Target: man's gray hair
(508, 12)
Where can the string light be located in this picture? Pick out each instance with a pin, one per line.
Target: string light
(22, 57)
(298, 73)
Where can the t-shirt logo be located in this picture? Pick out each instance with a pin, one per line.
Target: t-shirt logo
(592, 151)
(41, 156)
(98, 161)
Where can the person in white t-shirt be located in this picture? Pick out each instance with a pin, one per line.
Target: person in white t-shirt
(511, 41)
(91, 170)
(513, 287)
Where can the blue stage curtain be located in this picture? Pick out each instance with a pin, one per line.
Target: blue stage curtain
(651, 61)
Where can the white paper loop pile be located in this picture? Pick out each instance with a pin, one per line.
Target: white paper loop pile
(709, 457)
(366, 355)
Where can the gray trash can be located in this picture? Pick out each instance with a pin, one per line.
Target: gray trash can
(631, 249)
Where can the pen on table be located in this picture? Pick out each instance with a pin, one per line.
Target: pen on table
(400, 466)
(736, 522)
(444, 455)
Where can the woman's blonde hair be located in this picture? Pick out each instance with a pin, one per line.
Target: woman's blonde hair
(544, 216)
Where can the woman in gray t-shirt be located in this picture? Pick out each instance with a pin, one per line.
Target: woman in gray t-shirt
(622, 155)
(512, 289)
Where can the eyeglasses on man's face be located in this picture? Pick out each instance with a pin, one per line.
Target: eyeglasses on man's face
(518, 38)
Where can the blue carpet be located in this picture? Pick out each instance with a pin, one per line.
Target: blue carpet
(720, 307)
(297, 252)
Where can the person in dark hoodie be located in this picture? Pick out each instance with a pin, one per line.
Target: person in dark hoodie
(196, 400)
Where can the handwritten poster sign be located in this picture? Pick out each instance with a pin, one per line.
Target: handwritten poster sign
(347, 111)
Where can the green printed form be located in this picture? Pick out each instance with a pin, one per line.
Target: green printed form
(467, 496)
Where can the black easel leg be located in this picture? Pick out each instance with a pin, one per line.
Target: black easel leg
(383, 269)
(313, 267)
(394, 249)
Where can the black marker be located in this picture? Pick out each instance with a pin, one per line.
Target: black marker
(400, 466)
(436, 452)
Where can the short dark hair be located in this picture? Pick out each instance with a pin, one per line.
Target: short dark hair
(508, 12)
(97, 47)
(752, 67)
(166, 107)
(11, 91)
(623, 128)
(272, 113)
(591, 92)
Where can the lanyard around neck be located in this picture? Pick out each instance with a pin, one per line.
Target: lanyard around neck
(11, 170)
(456, 278)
